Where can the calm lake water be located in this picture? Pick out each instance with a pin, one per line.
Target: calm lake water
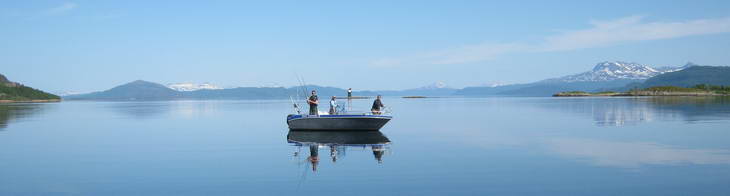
(442, 146)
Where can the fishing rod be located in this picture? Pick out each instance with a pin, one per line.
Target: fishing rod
(306, 90)
(303, 177)
(296, 106)
(299, 86)
(300, 89)
(302, 86)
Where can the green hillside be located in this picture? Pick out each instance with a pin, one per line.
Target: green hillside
(692, 76)
(11, 91)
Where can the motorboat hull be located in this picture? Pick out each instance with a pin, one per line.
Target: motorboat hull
(337, 122)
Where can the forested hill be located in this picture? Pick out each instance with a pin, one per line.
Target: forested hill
(696, 75)
(13, 91)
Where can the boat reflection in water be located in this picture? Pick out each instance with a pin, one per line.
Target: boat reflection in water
(338, 143)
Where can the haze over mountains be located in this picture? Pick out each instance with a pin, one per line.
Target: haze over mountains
(604, 76)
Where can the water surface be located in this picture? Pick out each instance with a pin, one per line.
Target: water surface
(455, 146)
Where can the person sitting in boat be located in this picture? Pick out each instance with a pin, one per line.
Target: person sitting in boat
(333, 105)
(377, 106)
(313, 102)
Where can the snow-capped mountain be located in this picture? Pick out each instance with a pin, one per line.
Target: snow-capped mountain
(67, 93)
(494, 84)
(435, 85)
(191, 86)
(617, 70)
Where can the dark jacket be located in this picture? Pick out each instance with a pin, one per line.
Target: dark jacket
(377, 104)
(313, 98)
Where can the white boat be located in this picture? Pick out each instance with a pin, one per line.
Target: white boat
(341, 120)
(355, 122)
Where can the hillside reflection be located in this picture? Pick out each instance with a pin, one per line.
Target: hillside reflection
(631, 111)
(338, 143)
(14, 112)
(140, 110)
(158, 109)
(634, 154)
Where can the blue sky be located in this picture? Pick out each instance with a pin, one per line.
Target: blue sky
(95, 45)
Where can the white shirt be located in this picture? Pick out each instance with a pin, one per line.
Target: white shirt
(333, 103)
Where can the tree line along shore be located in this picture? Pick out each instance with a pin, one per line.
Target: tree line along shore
(697, 90)
(11, 92)
(20, 93)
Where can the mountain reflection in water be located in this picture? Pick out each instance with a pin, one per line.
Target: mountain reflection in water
(338, 143)
(634, 110)
(445, 146)
(12, 112)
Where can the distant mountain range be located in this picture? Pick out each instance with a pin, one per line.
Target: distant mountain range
(14, 92)
(144, 90)
(435, 89)
(136, 90)
(603, 76)
(615, 76)
(612, 71)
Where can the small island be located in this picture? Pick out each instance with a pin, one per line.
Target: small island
(15, 92)
(697, 90)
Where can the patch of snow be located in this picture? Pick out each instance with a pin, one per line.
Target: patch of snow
(495, 84)
(436, 85)
(67, 93)
(191, 86)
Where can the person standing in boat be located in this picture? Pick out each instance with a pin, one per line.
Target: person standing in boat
(377, 106)
(333, 106)
(349, 99)
(313, 102)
